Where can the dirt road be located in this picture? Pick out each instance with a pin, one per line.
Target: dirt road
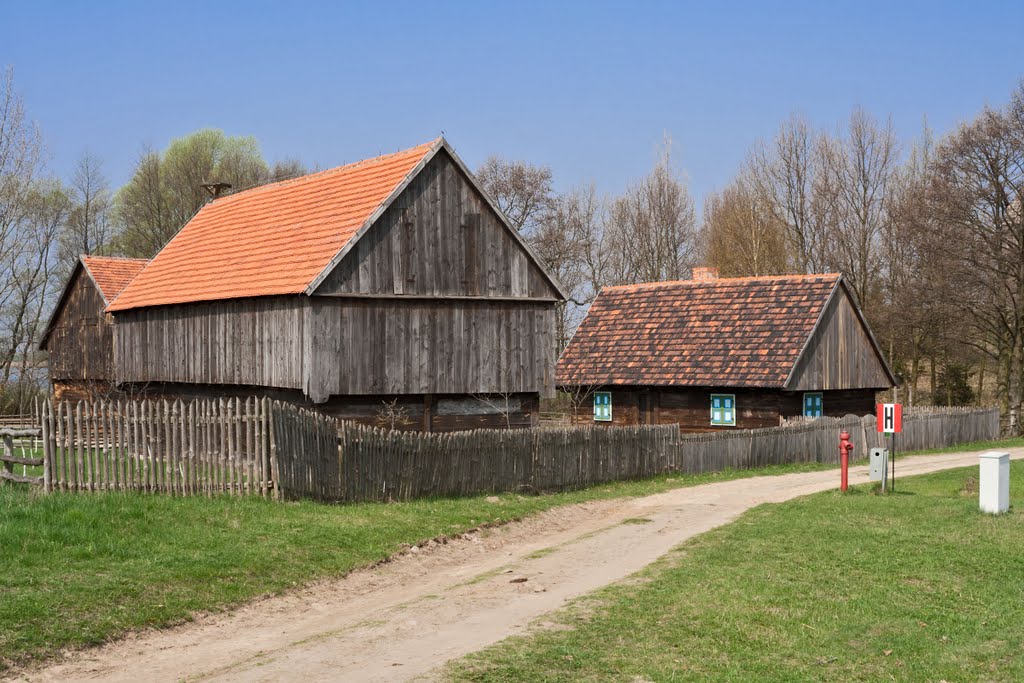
(402, 620)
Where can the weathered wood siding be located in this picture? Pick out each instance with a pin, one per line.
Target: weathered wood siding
(755, 409)
(384, 347)
(254, 342)
(839, 354)
(438, 298)
(428, 413)
(439, 238)
(329, 346)
(80, 342)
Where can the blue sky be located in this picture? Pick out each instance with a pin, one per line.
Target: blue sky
(589, 89)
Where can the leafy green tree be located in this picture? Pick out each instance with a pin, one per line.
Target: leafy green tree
(165, 190)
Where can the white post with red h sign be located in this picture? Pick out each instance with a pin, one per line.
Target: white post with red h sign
(890, 421)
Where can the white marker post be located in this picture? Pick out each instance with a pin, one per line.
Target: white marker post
(994, 482)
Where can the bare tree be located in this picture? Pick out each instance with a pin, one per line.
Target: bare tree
(393, 416)
(286, 169)
(857, 174)
(503, 403)
(976, 249)
(88, 226)
(522, 191)
(21, 151)
(742, 235)
(783, 172)
(32, 210)
(31, 290)
(564, 239)
(655, 225)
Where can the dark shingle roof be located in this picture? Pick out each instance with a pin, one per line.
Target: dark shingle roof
(730, 332)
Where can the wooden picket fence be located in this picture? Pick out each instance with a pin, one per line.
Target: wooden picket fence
(378, 464)
(268, 448)
(199, 448)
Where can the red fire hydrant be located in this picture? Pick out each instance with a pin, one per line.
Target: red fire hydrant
(845, 447)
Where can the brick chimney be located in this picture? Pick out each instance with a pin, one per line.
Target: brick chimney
(705, 273)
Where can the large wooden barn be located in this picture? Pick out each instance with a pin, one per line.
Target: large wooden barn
(390, 291)
(712, 354)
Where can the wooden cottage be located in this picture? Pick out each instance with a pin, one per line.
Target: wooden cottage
(390, 291)
(714, 354)
(79, 334)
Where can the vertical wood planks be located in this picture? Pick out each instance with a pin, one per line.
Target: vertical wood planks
(267, 448)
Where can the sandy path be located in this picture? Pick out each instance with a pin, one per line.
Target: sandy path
(402, 620)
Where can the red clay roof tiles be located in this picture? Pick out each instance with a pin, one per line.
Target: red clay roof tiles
(112, 273)
(734, 332)
(273, 239)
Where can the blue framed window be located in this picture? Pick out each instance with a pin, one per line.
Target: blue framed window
(602, 406)
(723, 410)
(814, 404)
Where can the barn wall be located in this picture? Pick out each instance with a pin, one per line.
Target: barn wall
(839, 354)
(439, 238)
(691, 408)
(80, 341)
(329, 346)
(393, 346)
(427, 412)
(240, 341)
(444, 413)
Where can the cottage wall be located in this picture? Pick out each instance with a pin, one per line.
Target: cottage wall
(690, 408)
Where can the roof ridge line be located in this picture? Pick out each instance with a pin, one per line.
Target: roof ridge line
(120, 258)
(721, 280)
(326, 171)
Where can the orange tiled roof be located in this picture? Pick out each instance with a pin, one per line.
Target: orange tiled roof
(730, 332)
(112, 273)
(273, 239)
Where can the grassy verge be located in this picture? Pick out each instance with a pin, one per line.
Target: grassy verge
(79, 569)
(917, 586)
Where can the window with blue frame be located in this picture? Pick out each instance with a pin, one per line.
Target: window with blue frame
(723, 410)
(602, 406)
(814, 405)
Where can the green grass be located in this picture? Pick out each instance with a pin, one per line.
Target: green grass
(917, 586)
(80, 569)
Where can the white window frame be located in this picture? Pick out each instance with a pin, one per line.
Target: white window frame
(603, 418)
(728, 414)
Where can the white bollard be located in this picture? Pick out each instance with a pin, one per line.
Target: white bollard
(994, 482)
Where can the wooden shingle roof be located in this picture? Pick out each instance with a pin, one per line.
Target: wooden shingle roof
(730, 332)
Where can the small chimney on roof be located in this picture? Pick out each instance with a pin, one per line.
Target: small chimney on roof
(216, 189)
(705, 273)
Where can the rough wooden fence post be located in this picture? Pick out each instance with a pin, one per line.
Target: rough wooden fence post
(45, 416)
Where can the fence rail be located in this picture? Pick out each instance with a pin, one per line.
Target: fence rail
(265, 448)
(9, 456)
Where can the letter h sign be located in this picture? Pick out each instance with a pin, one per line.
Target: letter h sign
(890, 418)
